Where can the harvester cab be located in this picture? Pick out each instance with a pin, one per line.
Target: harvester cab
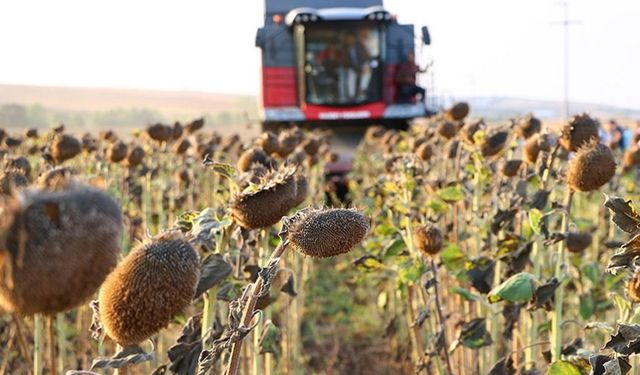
(337, 63)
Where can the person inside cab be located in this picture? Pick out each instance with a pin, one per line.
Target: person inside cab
(357, 63)
(406, 74)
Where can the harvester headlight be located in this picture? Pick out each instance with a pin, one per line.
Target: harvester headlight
(314, 18)
(305, 18)
(372, 16)
(380, 16)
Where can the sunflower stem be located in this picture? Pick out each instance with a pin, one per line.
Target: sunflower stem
(51, 333)
(37, 344)
(61, 341)
(441, 318)
(556, 320)
(22, 342)
(247, 315)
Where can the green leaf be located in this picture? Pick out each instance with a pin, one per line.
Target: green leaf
(563, 368)
(534, 182)
(466, 294)
(223, 169)
(411, 271)
(535, 220)
(385, 229)
(544, 327)
(451, 194)
(394, 248)
(438, 206)
(453, 257)
(517, 288)
(587, 306)
(368, 263)
(592, 272)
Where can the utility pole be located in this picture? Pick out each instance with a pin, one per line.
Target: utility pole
(565, 23)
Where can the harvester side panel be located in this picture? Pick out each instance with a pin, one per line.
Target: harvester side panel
(279, 81)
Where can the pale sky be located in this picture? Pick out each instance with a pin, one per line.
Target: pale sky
(480, 48)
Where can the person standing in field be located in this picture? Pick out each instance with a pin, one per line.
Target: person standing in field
(615, 135)
(406, 80)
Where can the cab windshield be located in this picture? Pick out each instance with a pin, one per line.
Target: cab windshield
(342, 63)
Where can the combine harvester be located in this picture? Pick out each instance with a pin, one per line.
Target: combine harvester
(333, 63)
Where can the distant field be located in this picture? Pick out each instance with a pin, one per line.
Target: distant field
(124, 109)
(121, 109)
(102, 99)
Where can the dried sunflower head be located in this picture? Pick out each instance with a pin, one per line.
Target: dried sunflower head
(117, 152)
(458, 111)
(510, 168)
(577, 242)
(527, 126)
(328, 232)
(12, 179)
(580, 130)
(155, 282)
(58, 247)
(65, 147)
(428, 239)
(592, 167)
(264, 204)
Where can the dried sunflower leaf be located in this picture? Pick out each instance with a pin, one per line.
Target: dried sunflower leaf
(519, 259)
(228, 292)
(543, 295)
(129, 355)
(539, 199)
(511, 314)
(617, 366)
(392, 328)
(480, 272)
(626, 256)
(422, 316)
(270, 339)
(624, 213)
(504, 366)
(473, 335)
(204, 228)
(252, 270)
(502, 219)
(289, 286)
(184, 354)
(609, 365)
(213, 270)
(626, 340)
